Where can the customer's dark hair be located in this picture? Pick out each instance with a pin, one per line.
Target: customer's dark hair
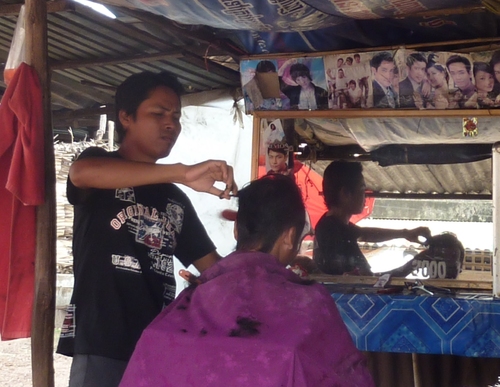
(267, 207)
(337, 175)
(137, 88)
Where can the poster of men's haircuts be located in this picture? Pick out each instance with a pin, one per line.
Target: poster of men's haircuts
(303, 83)
(392, 79)
(347, 77)
(486, 71)
(260, 84)
(274, 154)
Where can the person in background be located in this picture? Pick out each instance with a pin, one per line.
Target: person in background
(129, 222)
(414, 82)
(460, 70)
(248, 321)
(306, 95)
(336, 249)
(438, 78)
(485, 81)
(383, 67)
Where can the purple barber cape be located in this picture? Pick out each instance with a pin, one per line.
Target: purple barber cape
(251, 322)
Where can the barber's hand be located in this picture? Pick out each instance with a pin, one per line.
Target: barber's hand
(202, 177)
(417, 234)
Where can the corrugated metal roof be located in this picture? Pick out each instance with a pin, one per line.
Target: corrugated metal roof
(91, 54)
(467, 178)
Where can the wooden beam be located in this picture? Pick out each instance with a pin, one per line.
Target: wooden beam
(42, 328)
(52, 6)
(376, 113)
(61, 65)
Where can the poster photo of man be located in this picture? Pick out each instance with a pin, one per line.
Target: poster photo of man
(413, 86)
(274, 151)
(462, 93)
(260, 85)
(303, 82)
(384, 74)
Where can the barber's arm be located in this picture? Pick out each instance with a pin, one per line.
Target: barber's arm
(110, 173)
(372, 234)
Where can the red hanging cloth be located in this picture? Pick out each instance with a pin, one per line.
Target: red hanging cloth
(21, 190)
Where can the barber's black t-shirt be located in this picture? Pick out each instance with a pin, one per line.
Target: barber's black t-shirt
(124, 241)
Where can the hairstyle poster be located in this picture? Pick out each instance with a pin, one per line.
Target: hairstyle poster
(275, 154)
(260, 85)
(347, 77)
(392, 79)
(303, 83)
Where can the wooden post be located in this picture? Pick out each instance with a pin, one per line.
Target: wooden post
(42, 328)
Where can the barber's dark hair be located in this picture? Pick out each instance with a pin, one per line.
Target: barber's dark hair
(338, 175)
(459, 59)
(267, 207)
(380, 57)
(137, 88)
(299, 70)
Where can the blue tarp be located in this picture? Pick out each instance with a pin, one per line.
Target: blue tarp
(277, 26)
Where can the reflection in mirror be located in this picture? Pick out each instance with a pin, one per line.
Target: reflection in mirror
(442, 185)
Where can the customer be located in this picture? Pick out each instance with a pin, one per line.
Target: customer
(129, 223)
(251, 322)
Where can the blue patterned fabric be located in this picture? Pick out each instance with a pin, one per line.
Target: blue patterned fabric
(422, 324)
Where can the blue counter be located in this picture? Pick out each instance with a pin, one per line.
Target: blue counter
(422, 324)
